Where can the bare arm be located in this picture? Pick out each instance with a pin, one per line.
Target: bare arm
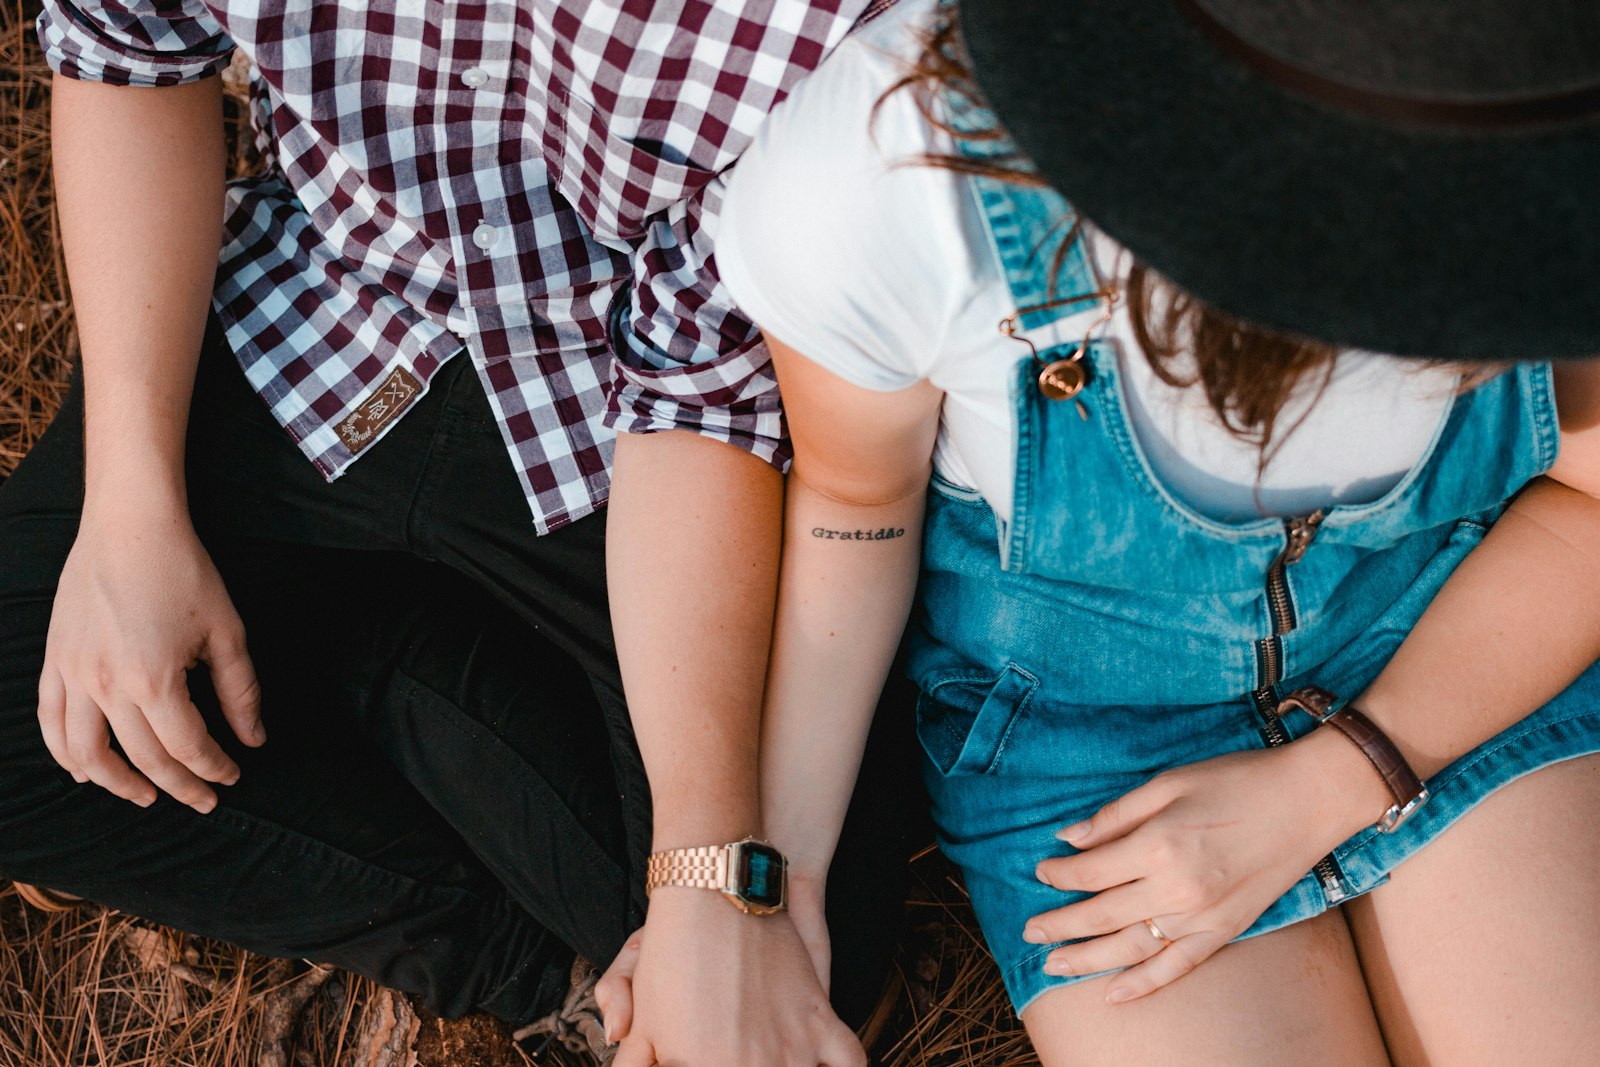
(692, 563)
(852, 546)
(1519, 619)
(139, 177)
(692, 547)
(851, 550)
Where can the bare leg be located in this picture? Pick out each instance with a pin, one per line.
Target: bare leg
(1292, 996)
(1484, 948)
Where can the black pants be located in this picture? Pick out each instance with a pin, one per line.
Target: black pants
(451, 800)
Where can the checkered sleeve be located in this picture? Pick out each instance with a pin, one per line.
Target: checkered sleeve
(687, 359)
(128, 42)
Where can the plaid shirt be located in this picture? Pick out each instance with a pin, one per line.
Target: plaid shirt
(521, 179)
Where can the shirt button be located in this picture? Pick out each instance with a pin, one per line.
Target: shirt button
(485, 236)
(475, 77)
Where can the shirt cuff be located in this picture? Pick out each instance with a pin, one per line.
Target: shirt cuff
(130, 44)
(733, 398)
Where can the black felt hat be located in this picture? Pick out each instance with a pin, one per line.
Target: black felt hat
(1419, 177)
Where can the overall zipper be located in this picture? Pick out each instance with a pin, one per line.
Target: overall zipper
(1298, 535)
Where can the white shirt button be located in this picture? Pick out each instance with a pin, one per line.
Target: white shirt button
(475, 77)
(485, 236)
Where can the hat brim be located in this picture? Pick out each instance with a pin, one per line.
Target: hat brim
(1290, 213)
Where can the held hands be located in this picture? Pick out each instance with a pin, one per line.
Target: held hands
(700, 985)
(1201, 852)
(139, 604)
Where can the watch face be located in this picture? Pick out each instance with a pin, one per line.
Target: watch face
(760, 875)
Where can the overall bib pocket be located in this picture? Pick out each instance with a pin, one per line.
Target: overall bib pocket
(964, 722)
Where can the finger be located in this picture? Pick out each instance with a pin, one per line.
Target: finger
(1121, 815)
(234, 678)
(614, 992)
(1126, 947)
(89, 743)
(1111, 864)
(635, 1054)
(181, 732)
(1165, 967)
(53, 721)
(1103, 913)
(149, 755)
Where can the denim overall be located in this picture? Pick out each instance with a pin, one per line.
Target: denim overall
(1121, 633)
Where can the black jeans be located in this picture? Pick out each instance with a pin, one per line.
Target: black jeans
(451, 800)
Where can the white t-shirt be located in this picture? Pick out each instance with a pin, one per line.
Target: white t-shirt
(878, 268)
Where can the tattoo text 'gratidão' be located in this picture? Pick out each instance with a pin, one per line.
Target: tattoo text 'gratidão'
(887, 533)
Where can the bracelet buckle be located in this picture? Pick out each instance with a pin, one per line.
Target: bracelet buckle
(1397, 814)
(1409, 791)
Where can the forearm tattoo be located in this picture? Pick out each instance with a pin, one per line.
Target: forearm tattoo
(886, 533)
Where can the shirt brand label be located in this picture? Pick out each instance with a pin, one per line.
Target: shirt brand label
(362, 426)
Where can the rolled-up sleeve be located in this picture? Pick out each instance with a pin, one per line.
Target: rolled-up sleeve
(687, 359)
(155, 43)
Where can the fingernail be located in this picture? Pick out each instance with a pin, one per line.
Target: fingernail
(1118, 996)
(1056, 968)
(258, 732)
(232, 781)
(1035, 935)
(206, 806)
(605, 1028)
(1073, 832)
(80, 778)
(145, 802)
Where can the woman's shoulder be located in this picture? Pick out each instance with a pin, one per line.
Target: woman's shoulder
(831, 215)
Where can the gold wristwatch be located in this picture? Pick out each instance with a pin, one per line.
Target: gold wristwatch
(752, 874)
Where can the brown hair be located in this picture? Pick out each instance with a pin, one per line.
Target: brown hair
(1248, 373)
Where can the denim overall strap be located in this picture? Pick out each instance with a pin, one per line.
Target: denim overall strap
(1026, 225)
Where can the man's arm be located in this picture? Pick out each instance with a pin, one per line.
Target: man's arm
(139, 180)
(692, 543)
(692, 562)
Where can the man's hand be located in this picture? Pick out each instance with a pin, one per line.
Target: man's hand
(701, 985)
(139, 604)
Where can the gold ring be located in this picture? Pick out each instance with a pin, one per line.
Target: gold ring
(1155, 932)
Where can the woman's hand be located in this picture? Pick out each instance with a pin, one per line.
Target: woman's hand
(138, 605)
(700, 984)
(1201, 852)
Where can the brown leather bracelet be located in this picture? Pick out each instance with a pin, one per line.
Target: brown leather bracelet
(1408, 790)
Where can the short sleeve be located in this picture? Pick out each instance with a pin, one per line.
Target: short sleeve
(150, 43)
(661, 132)
(835, 239)
(686, 358)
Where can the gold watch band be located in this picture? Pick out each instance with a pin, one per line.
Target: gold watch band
(750, 874)
(697, 868)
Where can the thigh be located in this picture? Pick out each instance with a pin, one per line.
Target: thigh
(471, 513)
(1484, 948)
(1291, 996)
(320, 850)
(503, 734)
(248, 478)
